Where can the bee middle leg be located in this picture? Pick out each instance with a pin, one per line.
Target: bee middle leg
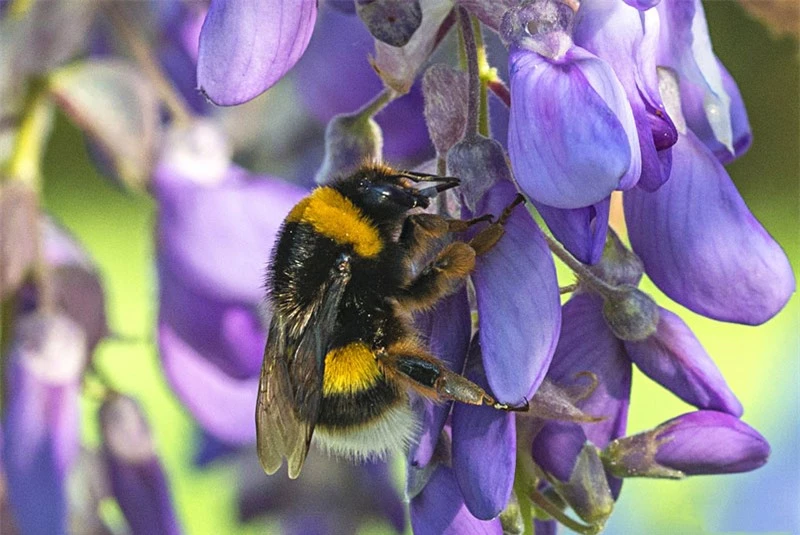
(429, 376)
(420, 231)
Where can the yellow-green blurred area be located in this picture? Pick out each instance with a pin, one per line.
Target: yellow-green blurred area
(761, 364)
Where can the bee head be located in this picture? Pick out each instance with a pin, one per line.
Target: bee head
(383, 192)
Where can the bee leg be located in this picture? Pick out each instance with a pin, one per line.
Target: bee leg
(439, 278)
(420, 231)
(430, 377)
(489, 236)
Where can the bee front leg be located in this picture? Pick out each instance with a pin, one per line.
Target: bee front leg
(430, 377)
(489, 236)
(420, 231)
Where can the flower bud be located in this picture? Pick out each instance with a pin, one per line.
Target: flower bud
(349, 141)
(137, 479)
(630, 313)
(445, 91)
(542, 26)
(619, 265)
(702, 442)
(390, 21)
(479, 162)
(575, 470)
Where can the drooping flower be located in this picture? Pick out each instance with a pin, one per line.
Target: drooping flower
(246, 46)
(136, 477)
(41, 419)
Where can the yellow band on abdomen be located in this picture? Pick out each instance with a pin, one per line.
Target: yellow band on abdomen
(336, 217)
(349, 369)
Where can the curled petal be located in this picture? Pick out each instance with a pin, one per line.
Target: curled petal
(485, 481)
(702, 246)
(588, 345)
(556, 447)
(439, 509)
(217, 237)
(582, 231)
(696, 119)
(518, 302)
(448, 328)
(571, 132)
(246, 46)
(221, 404)
(674, 358)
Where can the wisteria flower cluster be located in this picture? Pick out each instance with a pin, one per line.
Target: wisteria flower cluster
(602, 111)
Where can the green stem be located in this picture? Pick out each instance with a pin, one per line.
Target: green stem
(551, 509)
(368, 110)
(25, 163)
(584, 274)
(474, 92)
(144, 57)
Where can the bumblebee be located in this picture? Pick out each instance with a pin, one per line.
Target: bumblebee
(342, 353)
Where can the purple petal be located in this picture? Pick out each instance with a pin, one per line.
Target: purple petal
(674, 358)
(685, 47)
(246, 46)
(709, 442)
(702, 246)
(439, 509)
(642, 4)
(571, 131)
(518, 302)
(587, 344)
(626, 39)
(228, 335)
(556, 447)
(485, 481)
(137, 479)
(545, 527)
(220, 403)
(337, 77)
(376, 484)
(448, 328)
(696, 119)
(218, 237)
(41, 420)
(582, 231)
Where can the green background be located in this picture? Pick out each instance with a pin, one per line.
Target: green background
(761, 364)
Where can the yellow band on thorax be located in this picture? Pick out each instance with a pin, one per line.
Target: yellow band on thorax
(349, 369)
(336, 217)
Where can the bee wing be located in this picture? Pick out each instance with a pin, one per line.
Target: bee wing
(290, 386)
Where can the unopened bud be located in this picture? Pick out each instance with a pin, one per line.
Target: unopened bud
(543, 26)
(445, 92)
(390, 21)
(701, 442)
(350, 140)
(619, 265)
(479, 162)
(630, 313)
(575, 470)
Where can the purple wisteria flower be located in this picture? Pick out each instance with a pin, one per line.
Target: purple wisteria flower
(41, 419)
(136, 477)
(211, 243)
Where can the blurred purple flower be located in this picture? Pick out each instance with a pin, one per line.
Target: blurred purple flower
(572, 136)
(336, 77)
(333, 496)
(138, 481)
(41, 419)
(702, 442)
(211, 241)
(246, 46)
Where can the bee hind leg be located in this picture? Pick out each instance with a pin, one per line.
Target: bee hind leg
(430, 377)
